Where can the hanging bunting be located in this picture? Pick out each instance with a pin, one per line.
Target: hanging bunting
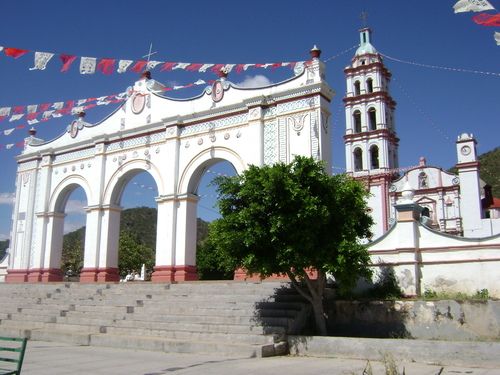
(107, 66)
(87, 65)
(167, 66)
(41, 60)
(487, 19)
(139, 66)
(152, 64)
(472, 6)
(15, 52)
(67, 60)
(123, 65)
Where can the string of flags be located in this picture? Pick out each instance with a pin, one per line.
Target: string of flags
(36, 113)
(484, 19)
(90, 65)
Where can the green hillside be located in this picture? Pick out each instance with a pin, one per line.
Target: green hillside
(490, 170)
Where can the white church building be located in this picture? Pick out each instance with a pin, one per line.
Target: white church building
(428, 223)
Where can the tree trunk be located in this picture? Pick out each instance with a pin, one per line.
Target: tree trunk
(319, 316)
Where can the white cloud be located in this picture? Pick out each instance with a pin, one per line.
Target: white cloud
(74, 206)
(72, 226)
(7, 198)
(255, 81)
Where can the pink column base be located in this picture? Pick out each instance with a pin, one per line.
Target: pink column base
(163, 274)
(50, 274)
(88, 275)
(108, 274)
(16, 276)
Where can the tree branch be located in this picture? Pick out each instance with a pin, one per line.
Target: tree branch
(298, 287)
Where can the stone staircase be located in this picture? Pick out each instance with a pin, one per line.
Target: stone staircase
(233, 318)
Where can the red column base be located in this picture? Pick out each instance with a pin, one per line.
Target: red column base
(165, 274)
(49, 274)
(34, 275)
(108, 274)
(88, 275)
(16, 276)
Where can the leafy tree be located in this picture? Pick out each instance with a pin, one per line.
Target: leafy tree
(132, 254)
(72, 252)
(291, 219)
(210, 261)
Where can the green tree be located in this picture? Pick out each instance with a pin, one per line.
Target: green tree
(132, 255)
(72, 252)
(291, 219)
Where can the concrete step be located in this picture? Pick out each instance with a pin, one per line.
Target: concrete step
(59, 335)
(20, 317)
(178, 346)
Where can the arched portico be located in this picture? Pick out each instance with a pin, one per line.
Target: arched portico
(174, 141)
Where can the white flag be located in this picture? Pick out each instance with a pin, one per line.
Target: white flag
(41, 60)
(229, 67)
(204, 67)
(4, 111)
(1, 48)
(76, 110)
(246, 66)
(16, 117)
(181, 65)
(123, 65)
(34, 121)
(87, 65)
(9, 146)
(497, 38)
(200, 82)
(8, 131)
(81, 101)
(472, 6)
(151, 64)
(47, 114)
(58, 105)
(31, 108)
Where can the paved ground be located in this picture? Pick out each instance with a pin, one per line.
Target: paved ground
(44, 358)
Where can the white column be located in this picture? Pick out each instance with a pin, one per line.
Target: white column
(165, 234)
(92, 237)
(185, 246)
(54, 240)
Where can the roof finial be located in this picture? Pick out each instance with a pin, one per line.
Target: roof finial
(315, 52)
(32, 132)
(364, 18)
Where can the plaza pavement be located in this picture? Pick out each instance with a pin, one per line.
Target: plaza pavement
(44, 358)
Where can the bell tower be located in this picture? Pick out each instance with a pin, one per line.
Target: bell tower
(371, 143)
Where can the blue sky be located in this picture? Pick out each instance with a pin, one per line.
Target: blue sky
(434, 105)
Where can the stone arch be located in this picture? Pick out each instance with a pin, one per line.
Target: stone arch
(119, 180)
(63, 190)
(190, 177)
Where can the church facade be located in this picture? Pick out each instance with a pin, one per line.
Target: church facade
(453, 204)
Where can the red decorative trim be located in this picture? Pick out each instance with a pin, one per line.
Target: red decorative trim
(370, 96)
(88, 275)
(185, 273)
(163, 274)
(471, 164)
(369, 67)
(49, 274)
(35, 275)
(435, 262)
(16, 276)
(107, 274)
(370, 134)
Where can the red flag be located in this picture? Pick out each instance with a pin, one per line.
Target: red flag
(15, 52)
(139, 66)
(486, 19)
(276, 65)
(216, 68)
(32, 116)
(88, 106)
(239, 68)
(3, 117)
(167, 89)
(67, 60)
(107, 66)
(44, 107)
(20, 126)
(18, 110)
(193, 67)
(167, 66)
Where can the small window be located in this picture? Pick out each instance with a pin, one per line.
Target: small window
(374, 157)
(369, 85)
(357, 88)
(372, 118)
(422, 181)
(358, 160)
(357, 121)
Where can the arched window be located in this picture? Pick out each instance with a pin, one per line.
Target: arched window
(357, 88)
(356, 117)
(372, 118)
(374, 162)
(369, 85)
(358, 160)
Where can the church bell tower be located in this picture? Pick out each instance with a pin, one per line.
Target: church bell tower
(371, 143)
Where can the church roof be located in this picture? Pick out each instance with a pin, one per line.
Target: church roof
(365, 46)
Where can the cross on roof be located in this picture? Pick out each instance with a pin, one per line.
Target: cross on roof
(364, 18)
(150, 54)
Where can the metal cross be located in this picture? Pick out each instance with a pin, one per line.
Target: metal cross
(150, 54)
(364, 18)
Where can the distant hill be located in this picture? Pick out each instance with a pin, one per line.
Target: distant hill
(490, 170)
(3, 246)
